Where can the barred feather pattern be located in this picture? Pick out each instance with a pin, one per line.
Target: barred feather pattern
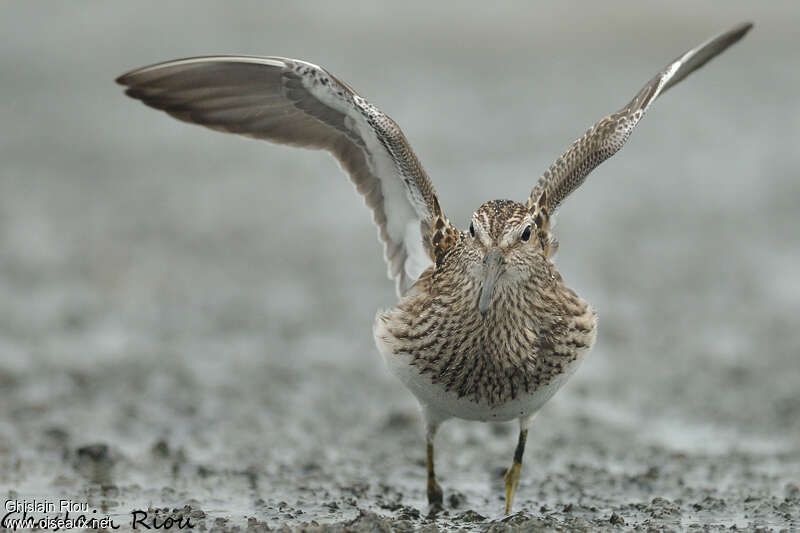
(532, 333)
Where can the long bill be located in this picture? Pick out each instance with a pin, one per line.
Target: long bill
(493, 265)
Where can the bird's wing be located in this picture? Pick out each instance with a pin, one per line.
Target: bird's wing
(296, 103)
(608, 135)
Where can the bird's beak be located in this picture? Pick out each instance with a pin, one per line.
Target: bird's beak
(493, 267)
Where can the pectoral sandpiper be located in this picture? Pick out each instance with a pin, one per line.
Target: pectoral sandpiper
(485, 328)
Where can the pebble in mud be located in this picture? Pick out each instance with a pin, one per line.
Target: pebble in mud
(94, 452)
(663, 508)
(95, 462)
(160, 448)
(470, 516)
(256, 526)
(456, 499)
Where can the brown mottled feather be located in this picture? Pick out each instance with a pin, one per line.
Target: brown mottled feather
(608, 135)
(535, 329)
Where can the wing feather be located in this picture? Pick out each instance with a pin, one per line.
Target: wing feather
(608, 135)
(300, 104)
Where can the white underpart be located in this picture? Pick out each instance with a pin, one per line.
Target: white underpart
(418, 260)
(402, 218)
(396, 202)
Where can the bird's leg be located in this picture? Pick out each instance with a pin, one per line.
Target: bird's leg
(432, 421)
(512, 475)
(434, 490)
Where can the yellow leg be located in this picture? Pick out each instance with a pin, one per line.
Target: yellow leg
(512, 476)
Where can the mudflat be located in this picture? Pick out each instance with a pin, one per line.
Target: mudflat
(185, 327)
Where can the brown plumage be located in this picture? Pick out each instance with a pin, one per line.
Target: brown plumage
(485, 328)
(536, 326)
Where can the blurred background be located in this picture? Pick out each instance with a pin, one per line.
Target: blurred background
(186, 316)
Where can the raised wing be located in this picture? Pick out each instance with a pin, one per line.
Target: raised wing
(606, 137)
(296, 103)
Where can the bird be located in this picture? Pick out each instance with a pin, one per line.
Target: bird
(485, 328)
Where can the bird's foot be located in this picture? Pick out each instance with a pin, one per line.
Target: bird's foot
(435, 495)
(512, 480)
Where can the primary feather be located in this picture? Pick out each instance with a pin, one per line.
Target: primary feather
(296, 103)
(607, 136)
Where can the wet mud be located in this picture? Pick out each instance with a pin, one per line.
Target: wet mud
(185, 326)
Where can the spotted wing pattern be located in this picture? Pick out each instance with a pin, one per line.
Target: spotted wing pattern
(296, 103)
(608, 135)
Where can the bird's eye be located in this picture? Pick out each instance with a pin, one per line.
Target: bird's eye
(472, 230)
(526, 234)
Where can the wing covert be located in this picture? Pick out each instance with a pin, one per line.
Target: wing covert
(293, 102)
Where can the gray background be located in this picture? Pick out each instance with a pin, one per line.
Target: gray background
(200, 305)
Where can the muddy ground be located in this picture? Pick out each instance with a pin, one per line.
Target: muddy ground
(185, 317)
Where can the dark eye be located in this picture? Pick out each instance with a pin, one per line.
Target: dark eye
(526, 234)
(471, 229)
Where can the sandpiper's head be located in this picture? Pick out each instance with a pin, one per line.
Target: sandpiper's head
(508, 242)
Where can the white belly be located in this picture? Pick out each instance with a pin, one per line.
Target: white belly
(447, 404)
